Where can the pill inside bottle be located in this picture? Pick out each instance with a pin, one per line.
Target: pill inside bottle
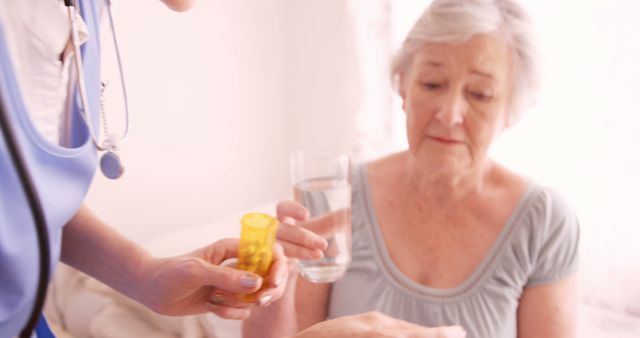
(255, 253)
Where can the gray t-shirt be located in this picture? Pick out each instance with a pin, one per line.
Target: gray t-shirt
(538, 245)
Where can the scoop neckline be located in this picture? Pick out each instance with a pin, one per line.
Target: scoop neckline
(405, 284)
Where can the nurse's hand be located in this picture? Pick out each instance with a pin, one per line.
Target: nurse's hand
(196, 283)
(376, 325)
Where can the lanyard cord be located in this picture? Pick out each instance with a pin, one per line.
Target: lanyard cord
(121, 72)
(73, 10)
(110, 163)
(37, 214)
(111, 142)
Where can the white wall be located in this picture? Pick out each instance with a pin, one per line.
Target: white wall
(317, 102)
(207, 102)
(219, 97)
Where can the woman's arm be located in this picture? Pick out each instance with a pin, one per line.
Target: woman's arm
(312, 302)
(303, 303)
(549, 310)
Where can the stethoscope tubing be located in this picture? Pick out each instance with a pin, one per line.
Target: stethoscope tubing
(39, 221)
(110, 144)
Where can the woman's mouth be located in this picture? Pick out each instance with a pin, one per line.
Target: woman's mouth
(445, 140)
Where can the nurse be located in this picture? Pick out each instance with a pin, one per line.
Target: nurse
(50, 109)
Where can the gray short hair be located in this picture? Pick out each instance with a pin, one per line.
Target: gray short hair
(459, 20)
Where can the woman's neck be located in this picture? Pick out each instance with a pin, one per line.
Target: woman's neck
(446, 188)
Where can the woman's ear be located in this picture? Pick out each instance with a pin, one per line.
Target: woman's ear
(508, 120)
(402, 88)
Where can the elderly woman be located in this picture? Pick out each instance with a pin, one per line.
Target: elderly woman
(443, 234)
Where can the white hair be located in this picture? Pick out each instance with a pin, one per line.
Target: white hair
(460, 20)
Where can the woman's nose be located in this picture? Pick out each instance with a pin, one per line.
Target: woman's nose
(451, 110)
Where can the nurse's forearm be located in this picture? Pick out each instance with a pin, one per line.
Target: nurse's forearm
(96, 249)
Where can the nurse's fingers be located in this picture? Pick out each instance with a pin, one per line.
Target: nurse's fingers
(223, 298)
(278, 277)
(226, 278)
(279, 269)
(229, 312)
(230, 279)
(221, 250)
(223, 277)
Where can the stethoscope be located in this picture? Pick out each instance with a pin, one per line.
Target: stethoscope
(110, 162)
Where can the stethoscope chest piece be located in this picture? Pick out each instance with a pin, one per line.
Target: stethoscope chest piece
(110, 162)
(111, 165)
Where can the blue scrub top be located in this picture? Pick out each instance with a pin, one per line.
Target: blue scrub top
(61, 175)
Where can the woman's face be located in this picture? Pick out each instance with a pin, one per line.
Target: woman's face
(455, 97)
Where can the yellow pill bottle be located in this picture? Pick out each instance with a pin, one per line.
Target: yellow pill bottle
(255, 253)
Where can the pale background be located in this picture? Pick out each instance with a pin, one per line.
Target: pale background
(219, 97)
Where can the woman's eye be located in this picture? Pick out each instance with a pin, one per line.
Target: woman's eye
(481, 96)
(432, 85)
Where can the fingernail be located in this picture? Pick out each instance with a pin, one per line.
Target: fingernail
(278, 281)
(323, 244)
(264, 300)
(318, 254)
(302, 214)
(217, 299)
(249, 281)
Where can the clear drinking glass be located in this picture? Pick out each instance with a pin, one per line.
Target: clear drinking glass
(321, 181)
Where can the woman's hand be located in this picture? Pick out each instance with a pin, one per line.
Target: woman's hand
(197, 283)
(279, 319)
(298, 242)
(376, 325)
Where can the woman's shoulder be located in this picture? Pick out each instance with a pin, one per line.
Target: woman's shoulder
(542, 234)
(545, 234)
(554, 235)
(383, 168)
(544, 201)
(548, 204)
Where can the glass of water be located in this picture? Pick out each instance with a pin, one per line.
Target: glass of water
(321, 181)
